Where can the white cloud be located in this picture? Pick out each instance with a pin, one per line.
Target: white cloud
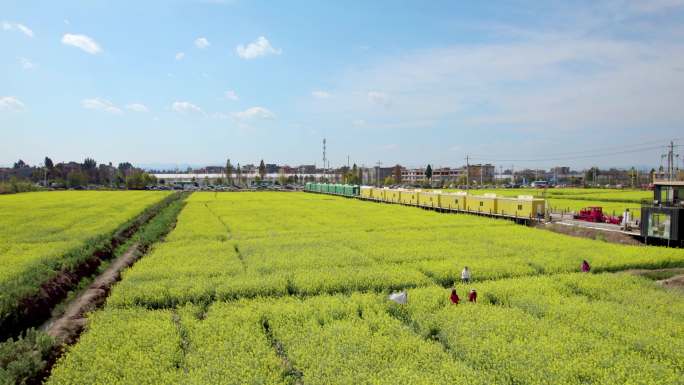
(8, 26)
(180, 56)
(10, 103)
(83, 42)
(556, 87)
(254, 113)
(137, 107)
(27, 64)
(320, 94)
(231, 95)
(359, 123)
(100, 105)
(186, 107)
(202, 43)
(260, 47)
(220, 116)
(380, 98)
(25, 30)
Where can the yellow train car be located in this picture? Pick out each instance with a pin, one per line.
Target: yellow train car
(409, 197)
(378, 193)
(428, 198)
(393, 195)
(366, 192)
(524, 206)
(510, 206)
(453, 201)
(532, 206)
(482, 203)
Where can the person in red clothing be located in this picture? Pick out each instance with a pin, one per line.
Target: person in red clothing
(585, 266)
(472, 296)
(454, 297)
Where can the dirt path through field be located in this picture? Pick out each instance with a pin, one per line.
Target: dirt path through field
(67, 327)
(670, 278)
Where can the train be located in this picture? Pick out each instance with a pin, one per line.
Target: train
(522, 207)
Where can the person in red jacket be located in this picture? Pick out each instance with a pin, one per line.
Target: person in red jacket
(454, 297)
(585, 266)
(472, 296)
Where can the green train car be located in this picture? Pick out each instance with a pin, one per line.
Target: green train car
(337, 189)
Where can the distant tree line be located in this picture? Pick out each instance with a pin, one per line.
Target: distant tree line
(24, 177)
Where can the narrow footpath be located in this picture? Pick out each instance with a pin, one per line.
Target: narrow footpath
(66, 328)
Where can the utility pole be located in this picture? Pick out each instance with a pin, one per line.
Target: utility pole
(637, 178)
(670, 161)
(377, 173)
(512, 174)
(467, 173)
(481, 172)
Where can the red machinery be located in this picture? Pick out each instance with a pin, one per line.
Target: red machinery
(595, 214)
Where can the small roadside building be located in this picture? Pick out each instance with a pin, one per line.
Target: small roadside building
(662, 219)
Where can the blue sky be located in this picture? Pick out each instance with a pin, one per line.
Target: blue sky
(193, 81)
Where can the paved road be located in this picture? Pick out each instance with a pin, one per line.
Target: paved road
(568, 220)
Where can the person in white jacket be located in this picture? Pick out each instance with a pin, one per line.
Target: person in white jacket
(465, 275)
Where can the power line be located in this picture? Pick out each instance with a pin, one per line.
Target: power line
(573, 157)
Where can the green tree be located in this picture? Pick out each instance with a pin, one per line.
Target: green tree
(89, 164)
(356, 178)
(119, 178)
(590, 173)
(19, 164)
(238, 174)
(90, 170)
(262, 170)
(229, 172)
(135, 180)
(125, 167)
(76, 179)
(138, 180)
(428, 172)
(397, 174)
(49, 166)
